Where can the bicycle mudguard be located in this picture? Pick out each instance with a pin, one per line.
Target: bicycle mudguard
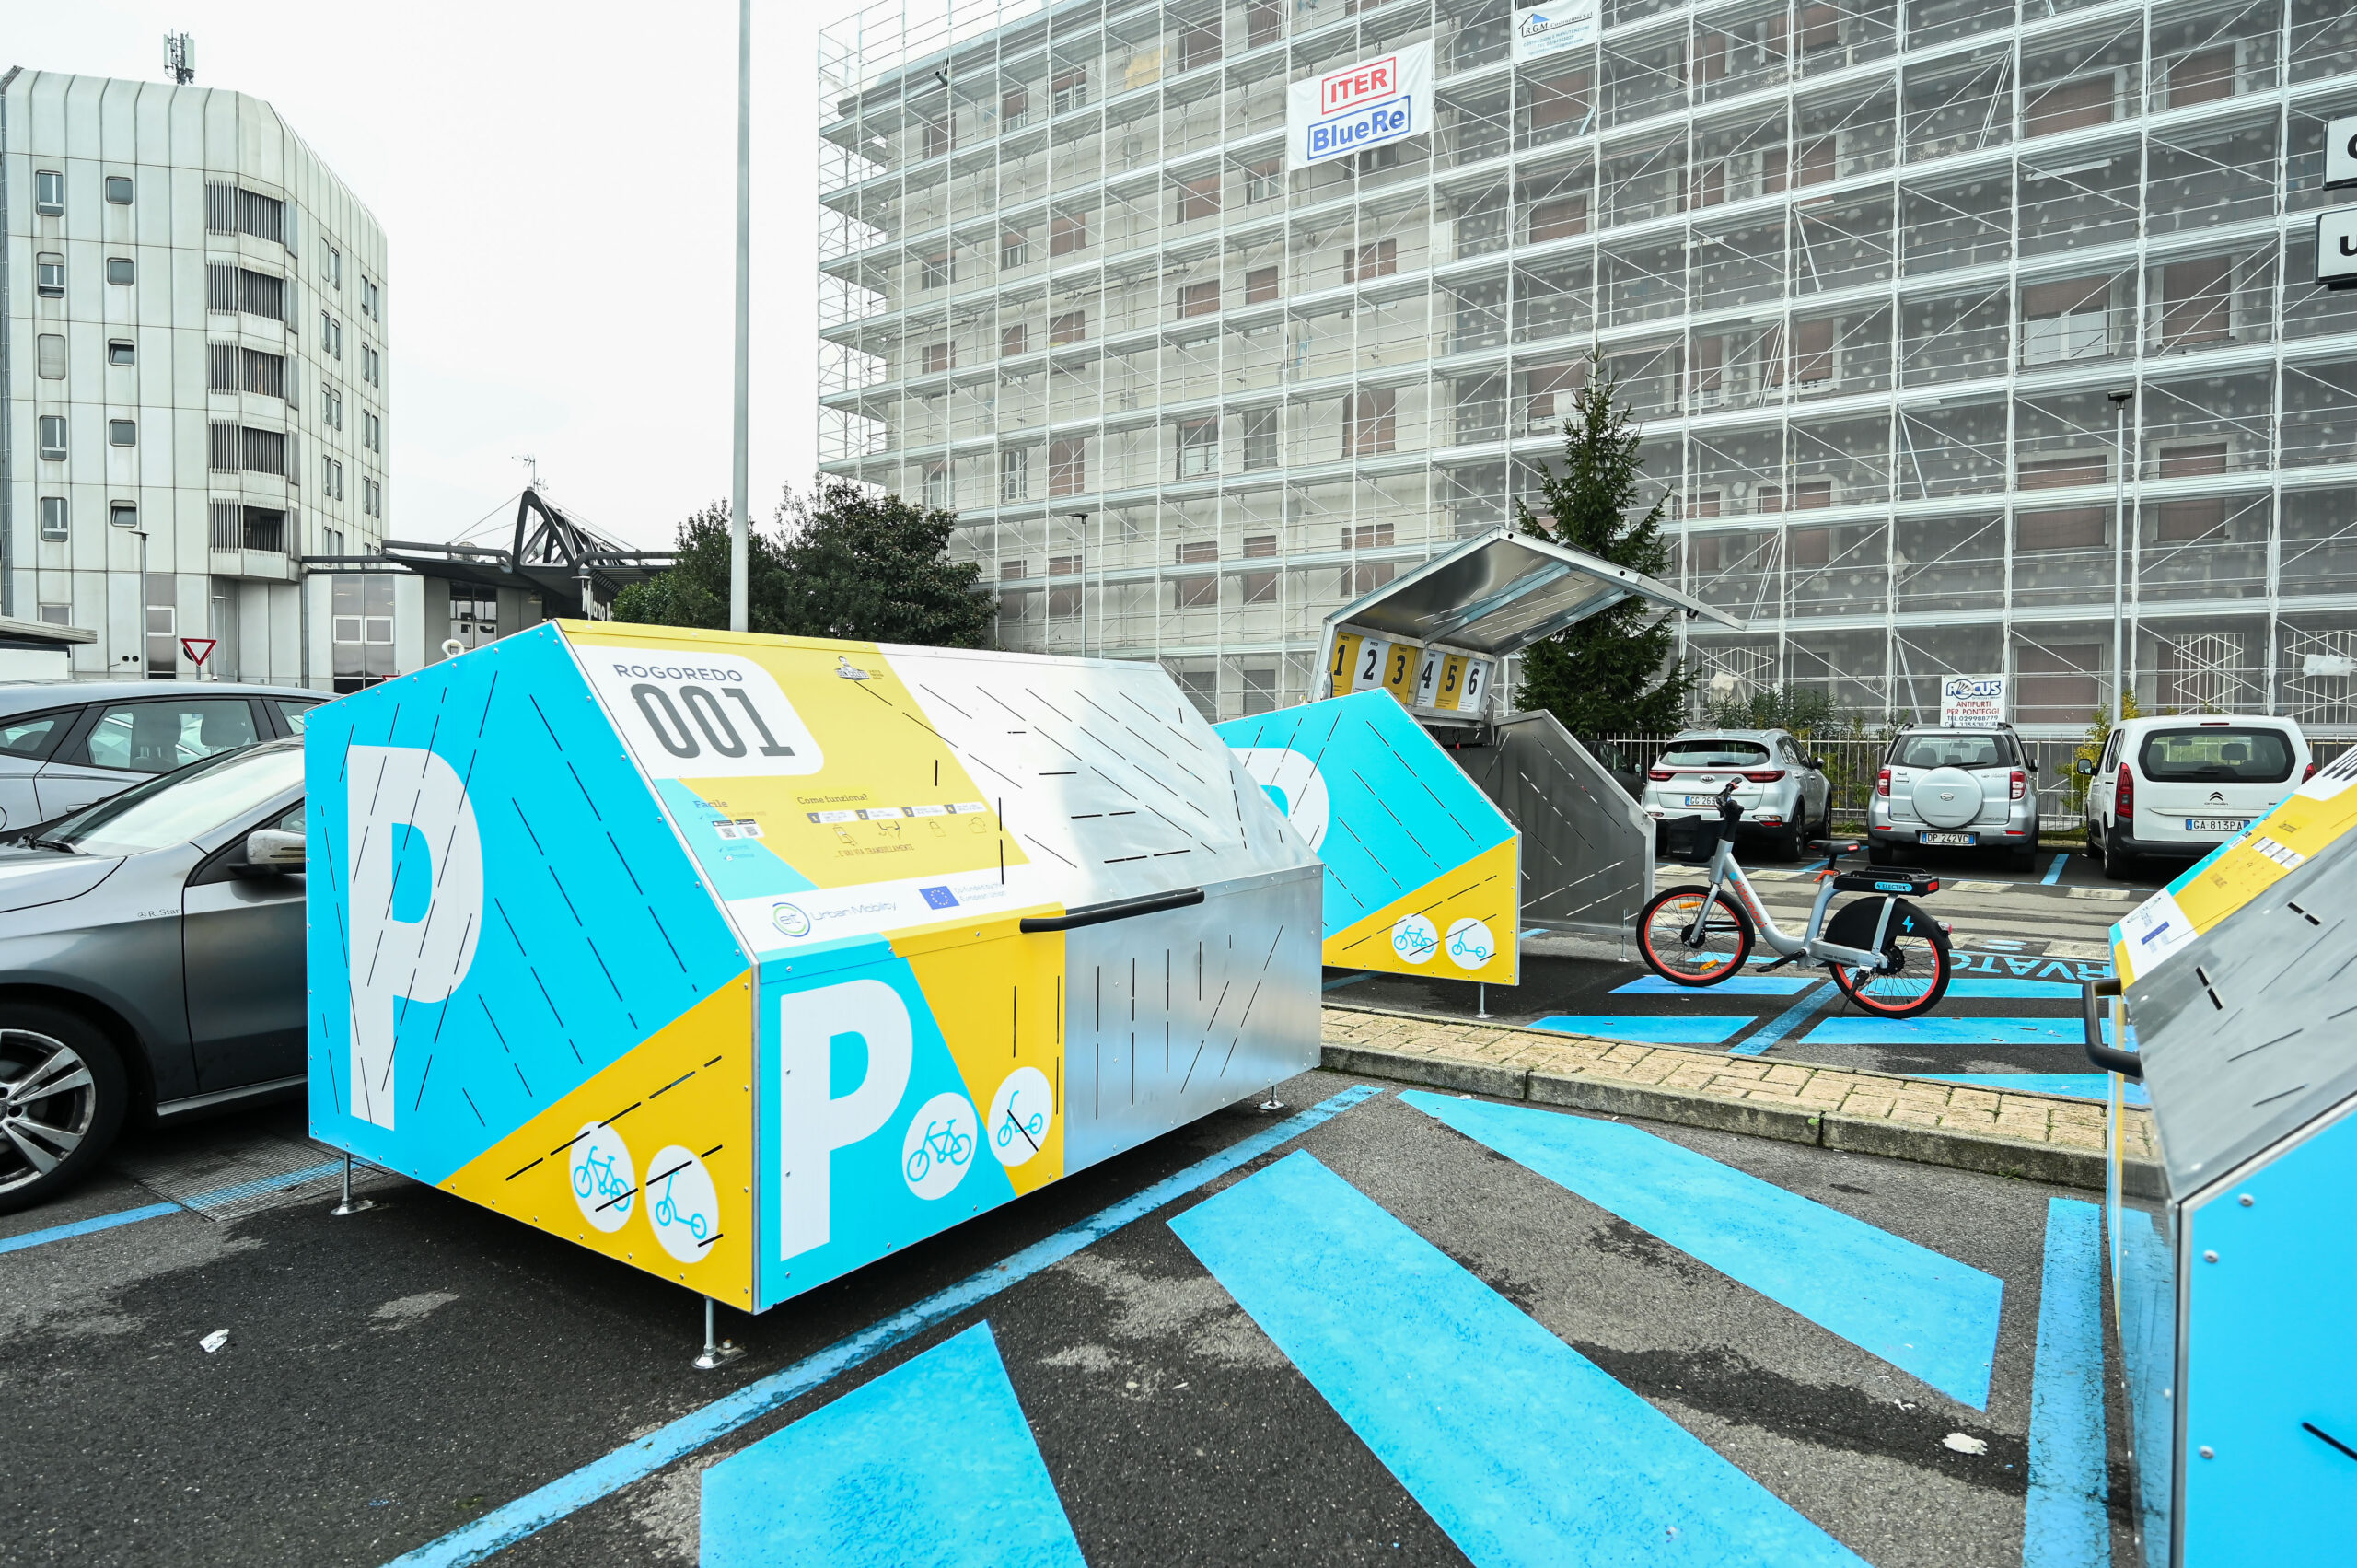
(1852, 925)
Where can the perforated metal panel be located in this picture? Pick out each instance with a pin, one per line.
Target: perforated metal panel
(1588, 862)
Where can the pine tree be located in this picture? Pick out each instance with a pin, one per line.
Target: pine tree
(1613, 672)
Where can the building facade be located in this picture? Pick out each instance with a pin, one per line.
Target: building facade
(192, 376)
(1868, 271)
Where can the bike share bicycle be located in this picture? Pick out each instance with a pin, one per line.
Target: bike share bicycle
(1885, 955)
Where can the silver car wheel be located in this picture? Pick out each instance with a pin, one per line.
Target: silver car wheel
(48, 1101)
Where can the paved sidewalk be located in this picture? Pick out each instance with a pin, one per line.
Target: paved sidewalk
(2041, 1137)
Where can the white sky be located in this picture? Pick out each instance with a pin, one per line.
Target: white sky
(557, 186)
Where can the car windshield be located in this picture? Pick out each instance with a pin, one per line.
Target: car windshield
(183, 806)
(1711, 752)
(2211, 756)
(1951, 751)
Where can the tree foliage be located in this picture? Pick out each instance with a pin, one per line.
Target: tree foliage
(838, 562)
(1613, 672)
(1800, 709)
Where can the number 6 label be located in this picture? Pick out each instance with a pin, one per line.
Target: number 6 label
(689, 714)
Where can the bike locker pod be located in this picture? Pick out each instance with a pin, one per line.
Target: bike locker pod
(2234, 1259)
(746, 961)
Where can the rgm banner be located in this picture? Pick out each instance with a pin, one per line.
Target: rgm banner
(1370, 104)
(1972, 701)
(1541, 31)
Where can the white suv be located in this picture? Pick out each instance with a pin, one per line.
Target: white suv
(2180, 787)
(1963, 788)
(1782, 791)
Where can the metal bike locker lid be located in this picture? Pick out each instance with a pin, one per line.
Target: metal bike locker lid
(1438, 638)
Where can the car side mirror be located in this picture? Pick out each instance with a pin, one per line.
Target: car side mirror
(2029, 766)
(273, 849)
(1816, 763)
(2086, 769)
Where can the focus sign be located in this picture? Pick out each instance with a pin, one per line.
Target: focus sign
(1371, 103)
(2337, 248)
(2340, 154)
(1972, 701)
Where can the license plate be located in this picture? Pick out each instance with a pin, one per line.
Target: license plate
(2216, 824)
(1963, 841)
(1701, 800)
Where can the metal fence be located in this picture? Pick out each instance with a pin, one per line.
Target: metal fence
(1851, 763)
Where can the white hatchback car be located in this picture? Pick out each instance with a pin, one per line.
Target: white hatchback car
(1783, 790)
(2179, 787)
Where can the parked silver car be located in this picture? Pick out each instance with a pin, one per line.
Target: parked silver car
(1782, 791)
(66, 743)
(151, 961)
(1957, 788)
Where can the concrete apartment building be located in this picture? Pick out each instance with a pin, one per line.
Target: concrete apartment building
(1868, 270)
(192, 384)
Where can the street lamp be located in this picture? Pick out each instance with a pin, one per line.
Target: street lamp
(2120, 401)
(739, 539)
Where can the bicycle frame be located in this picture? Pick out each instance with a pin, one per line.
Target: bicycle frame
(1725, 872)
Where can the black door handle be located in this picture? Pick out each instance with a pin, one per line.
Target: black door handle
(1118, 908)
(2124, 1062)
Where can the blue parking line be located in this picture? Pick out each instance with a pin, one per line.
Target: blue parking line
(1534, 931)
(2076, 1085)
(84, 1227)
(1951, 1031)
(2054, 871)
(538, 1509)
(2064, 1523)
(1785, 1023)
(1642, 1028)
(1340, 982)
(1525, 1452)
(932, 1462)
(1975, 988)
(1734, 986)
(1919, 1310)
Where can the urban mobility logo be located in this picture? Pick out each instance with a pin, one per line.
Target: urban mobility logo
(1368, 104)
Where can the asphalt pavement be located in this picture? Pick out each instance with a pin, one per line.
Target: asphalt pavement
(1374, 1327)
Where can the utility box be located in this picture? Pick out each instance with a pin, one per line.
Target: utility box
(2234, 1282)
(747, 961)
(1422, 873)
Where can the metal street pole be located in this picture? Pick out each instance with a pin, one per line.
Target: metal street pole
(2120, 401)
(739, 546)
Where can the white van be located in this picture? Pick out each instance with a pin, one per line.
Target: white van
(2179, 787)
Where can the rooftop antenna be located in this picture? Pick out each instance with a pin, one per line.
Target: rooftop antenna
(532, 465)
(179, 57)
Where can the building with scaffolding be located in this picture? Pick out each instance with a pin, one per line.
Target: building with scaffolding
(1869, 271)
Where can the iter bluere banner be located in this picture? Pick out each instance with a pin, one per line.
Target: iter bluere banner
(1366, 104)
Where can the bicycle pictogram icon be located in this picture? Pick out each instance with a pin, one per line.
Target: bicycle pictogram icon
(594, 1176)
(666, 1214)
(1031, 1127)
(943, 1141)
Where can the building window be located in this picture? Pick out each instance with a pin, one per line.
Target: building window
(1202, 589)
(2065, 320)
(234, 369)
(1361, 263)
(330, 478)
(49, 192)
(1071, 327)
(123, 433)
(362, 617)
(372, 366)
(1198, 198)
(122, 351)
(118, 189)
(53, 437)
(1063, 600)
(229, 290)
(1259, 587)
(1370, 422)
(1264, 22)
(48, 274)
(119, 269)
(1813, 352)
(1364, 577)
(1070, 89)
(57, 614)
(53, 526)
(123, 514)
(1259, 689)
(1199, 447)
(49, 356)
(231, 209)
(1011, 341)
(938, 357)
(1067, 232)
(1199, 44)
(1015, 474)
(937, 271)
(1014, 109)
(163, 664)
(939, 134)
(372, 429)
(2067, 106)
(372, 498)
(372, 301)
(331, 335)
(1260, 427)
(2057, 473)
(936, 486)
(1264, 181)
(330, 407)
(1558, 219)
(2197, 302)
(1559, 101)
(2072, 528)
(1198, 298)
(1011, 605)
(1013, 249)
(1068, 466)
(1261, 285)
(335, 267)
(474, 616)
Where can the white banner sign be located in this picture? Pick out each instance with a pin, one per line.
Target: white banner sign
(2340, 154)
(1541, 31)
(1972, 701)
(2337, 248)
(1369, 104)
